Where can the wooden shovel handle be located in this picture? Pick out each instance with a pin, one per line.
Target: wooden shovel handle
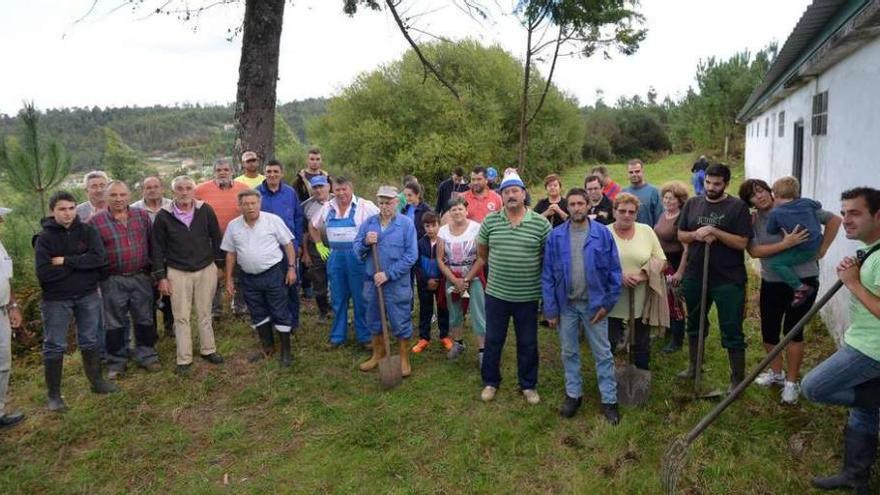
(381, 292)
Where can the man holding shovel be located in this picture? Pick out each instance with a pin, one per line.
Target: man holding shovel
(851, 376)
(581, 283)
(722, 221)
(394, 235)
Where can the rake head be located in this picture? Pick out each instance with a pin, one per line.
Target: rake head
(672, 463)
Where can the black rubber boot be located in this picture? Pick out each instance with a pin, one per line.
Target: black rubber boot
(53, 368)
(859, 451)
(267, 343)
(688, 374)
(285, 359)
(570, 406)
(92, 368)
(676, 336)
(737, 358)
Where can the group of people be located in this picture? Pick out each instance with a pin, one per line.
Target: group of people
(592, 258)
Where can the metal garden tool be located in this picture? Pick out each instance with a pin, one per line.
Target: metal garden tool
(633, 384)
(701, 338)
(390, 374)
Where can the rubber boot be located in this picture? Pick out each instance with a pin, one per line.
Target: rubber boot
(737, 358)
(859, 451)
(267, 343)
(688, 374)
(378, 354)
(92, 368)
(285, 359)
(676, 336)
(53, 368)
(405, 369)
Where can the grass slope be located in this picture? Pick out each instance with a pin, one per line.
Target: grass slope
(324, 427)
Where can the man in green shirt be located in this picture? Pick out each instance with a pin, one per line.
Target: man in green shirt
(851, 376)
(511, 241)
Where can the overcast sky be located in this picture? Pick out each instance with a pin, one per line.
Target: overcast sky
(116, 57)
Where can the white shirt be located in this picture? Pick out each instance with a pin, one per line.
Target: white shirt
(364, 209)
(5, 275)
(257, 248)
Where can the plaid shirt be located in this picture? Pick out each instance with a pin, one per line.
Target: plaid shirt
(127, 245)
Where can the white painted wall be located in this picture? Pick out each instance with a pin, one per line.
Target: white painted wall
(848, 156)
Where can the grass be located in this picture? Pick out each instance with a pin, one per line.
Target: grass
(324, 427)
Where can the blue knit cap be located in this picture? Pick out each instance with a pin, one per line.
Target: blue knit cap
(511, 179)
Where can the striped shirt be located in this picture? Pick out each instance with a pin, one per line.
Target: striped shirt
(515, 255)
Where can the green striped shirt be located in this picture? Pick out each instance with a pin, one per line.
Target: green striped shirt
(515, 255)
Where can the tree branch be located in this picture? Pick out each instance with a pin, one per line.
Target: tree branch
(425, 62)
(559, 41)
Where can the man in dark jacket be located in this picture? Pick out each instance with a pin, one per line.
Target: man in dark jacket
(599, 207)
(450, 187)
(186, 255)
(70, 260)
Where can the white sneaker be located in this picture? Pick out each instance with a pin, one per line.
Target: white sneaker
(769, 378)
(531, 396)
(790, 392)
(488, 393)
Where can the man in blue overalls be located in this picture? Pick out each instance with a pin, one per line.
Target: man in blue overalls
(395, 238)
(340, 218)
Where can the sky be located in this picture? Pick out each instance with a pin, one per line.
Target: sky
(59, 53)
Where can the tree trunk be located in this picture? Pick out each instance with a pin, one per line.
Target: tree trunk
(524, 105)
(258, 78)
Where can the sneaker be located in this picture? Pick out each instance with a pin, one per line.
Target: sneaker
(488, 393)
(611, 413)
(569, 406)
(447, 343)
(790, 392)
(421, 345)
(213, 358)
(769, 378)
(531, 396)
(457, 350)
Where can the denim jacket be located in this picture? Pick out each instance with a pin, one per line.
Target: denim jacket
(601, 266)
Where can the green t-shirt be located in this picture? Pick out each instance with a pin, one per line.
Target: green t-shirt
(863, 333)
(515, 255)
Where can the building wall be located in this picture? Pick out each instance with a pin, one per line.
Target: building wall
(848, 156)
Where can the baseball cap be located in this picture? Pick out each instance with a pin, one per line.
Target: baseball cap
(491, 173)
(248, 155)
(319, 180)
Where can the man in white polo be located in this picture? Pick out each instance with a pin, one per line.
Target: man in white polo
(254, 240)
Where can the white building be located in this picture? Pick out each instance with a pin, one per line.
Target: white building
(816, 116)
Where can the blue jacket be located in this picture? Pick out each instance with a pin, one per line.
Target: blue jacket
(420, 210)
(427, 267)
(285, 204)
(398, 249)
(601, 266)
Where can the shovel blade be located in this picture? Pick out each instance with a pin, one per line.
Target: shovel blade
(633, 386)
(390, 374)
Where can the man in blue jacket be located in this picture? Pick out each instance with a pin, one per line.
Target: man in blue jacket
(282, 200)
(395, 237)
(581, 283)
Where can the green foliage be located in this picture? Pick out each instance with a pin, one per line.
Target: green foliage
(288, 149)
(120, 161)
(633, 127)
(395, 121)
(29, 163)
(707, 115)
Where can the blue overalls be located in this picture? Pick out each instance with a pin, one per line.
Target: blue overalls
(346, 274)
(398, 252)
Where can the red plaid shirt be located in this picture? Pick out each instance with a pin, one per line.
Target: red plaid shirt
(127, 244)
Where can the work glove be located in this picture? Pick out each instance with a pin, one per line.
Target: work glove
(323, 250)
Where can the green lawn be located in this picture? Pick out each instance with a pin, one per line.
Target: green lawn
(324, 427)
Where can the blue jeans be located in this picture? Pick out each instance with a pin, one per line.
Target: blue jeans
(834, 380)
(267, 297)
(525, 323)
(86, 311)
(597, 337)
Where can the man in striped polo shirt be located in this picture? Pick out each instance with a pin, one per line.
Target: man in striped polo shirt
(512, 242)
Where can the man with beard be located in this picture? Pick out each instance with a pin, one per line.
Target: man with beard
(581, 282)
(851, 376)
(251, 176)
(480, 199)
(221, 193)
(302, 184)
(724, 222)
(599, 207)
(649, 196)
(512, 242)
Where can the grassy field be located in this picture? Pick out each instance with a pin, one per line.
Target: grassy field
(324, 427)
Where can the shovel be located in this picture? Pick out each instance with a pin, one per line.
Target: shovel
(701, 339)
(633, 384)
(390, 374)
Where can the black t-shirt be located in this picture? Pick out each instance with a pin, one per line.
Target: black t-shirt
(604, 211)
(726, 265)
(554, 219)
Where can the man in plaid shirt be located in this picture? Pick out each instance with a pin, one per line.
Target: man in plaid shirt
(128, 291)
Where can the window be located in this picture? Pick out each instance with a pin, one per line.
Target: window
(819, 125)
(766, 126)
(781, 124)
